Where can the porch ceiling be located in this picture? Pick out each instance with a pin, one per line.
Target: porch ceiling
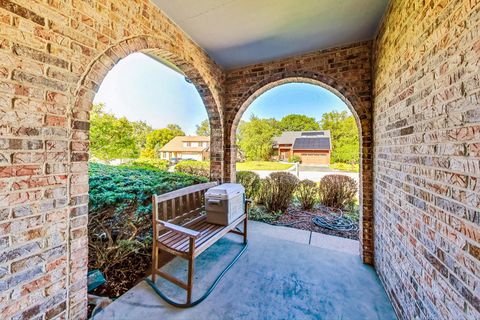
(242, 32)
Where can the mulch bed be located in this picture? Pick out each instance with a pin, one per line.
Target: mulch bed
(297, 218)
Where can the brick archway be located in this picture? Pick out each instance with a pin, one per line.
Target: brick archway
(98, 69)
(83, 96)
(364, 125)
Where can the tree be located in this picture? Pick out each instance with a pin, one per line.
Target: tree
(111, 137)
(298, 122)
(344, 135)
(203, 129)
(176, 129)
(156, 139)
(255, 137)
(140, 131)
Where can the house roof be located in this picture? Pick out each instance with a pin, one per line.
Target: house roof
(176, 144)
(316, 143)
(288, 137)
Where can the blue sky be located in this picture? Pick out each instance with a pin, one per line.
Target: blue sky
(140, 88)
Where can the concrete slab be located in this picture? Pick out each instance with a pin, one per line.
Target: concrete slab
(335, 243)
(274, 279)
(284, 233)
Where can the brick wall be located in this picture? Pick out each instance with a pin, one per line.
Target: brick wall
(427, 158)
(346, 71)
(426, 123)
(53, 56)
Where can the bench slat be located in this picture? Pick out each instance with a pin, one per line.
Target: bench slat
(208, 233)
(172, 240)
(170, 237)
(179, 229)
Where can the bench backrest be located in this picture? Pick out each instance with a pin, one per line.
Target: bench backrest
(180, 204)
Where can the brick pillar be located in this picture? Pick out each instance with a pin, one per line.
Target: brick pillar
(229, 150)
(216, 151)
(366, 192)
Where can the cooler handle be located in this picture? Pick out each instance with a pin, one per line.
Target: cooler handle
(212, 201)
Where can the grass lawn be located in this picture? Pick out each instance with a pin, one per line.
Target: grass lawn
(262, 165)
(345, 167)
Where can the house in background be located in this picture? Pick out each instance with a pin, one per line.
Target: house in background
(186, 147)
(313, 147)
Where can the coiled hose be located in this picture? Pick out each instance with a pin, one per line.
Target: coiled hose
(332, 220)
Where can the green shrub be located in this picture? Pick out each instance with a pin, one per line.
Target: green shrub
(295, 158)
(251, 181)
(259, 213)
(147, 163)
(197, 168)
(337, 191)
(277, 191)
(120, 220)
(306, 193)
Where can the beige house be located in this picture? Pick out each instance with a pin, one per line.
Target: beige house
(186, 147)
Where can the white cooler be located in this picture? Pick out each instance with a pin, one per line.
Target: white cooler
(225, 203)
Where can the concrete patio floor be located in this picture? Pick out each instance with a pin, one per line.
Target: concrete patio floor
(285, 273)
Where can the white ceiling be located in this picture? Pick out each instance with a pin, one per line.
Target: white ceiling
(241, 32)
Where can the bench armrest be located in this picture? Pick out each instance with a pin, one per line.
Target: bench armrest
(179, 229)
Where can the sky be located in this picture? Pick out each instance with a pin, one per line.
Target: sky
(142, 89)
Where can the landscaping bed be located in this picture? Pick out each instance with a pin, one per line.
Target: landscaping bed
(295, 217)
(327, 207)
(300, 219)
(120, 221)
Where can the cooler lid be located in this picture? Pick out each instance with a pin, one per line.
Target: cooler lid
(225, 191)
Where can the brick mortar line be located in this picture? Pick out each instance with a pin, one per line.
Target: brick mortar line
(445, 170)
(401, 271)
(450, 199)
(426, 262)
(466, 238)
(422, 290)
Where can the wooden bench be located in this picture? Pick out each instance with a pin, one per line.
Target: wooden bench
(186, 239)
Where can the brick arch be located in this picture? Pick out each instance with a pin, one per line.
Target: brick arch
(157, 48)
(359, 110)
(326, 82)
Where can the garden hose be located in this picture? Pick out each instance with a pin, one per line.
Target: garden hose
(337, 223)
(206, 294)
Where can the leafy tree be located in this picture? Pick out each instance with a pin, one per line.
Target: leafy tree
(111, 137)
(176, 129)
(140, 131)
(255, 137)
(158, 138)
(147, 153)
(298, 122)
(344, 135)
(203, 129)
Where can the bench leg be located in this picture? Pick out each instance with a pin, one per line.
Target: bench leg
(245, 223)
(154, 262)
(191, 266)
